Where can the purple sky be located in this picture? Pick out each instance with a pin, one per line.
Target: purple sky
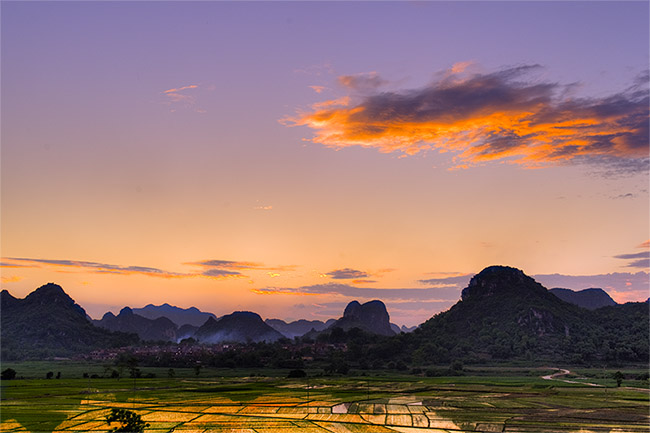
(289, 157)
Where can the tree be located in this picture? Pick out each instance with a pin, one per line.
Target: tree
(129, 361)
(619, 378)
(131, 422)
(8, 374)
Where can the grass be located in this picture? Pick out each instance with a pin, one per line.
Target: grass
(486, 399)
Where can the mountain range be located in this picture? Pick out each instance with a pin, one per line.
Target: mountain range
(158, 329)
(298, 328)
(241, 326)
(180, 316)
(503, 314)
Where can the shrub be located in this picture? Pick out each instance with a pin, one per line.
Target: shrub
(130, 421)
(8, 374)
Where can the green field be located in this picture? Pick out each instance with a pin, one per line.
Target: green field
(488, 399)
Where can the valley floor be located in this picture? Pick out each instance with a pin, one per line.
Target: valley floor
(397, 404)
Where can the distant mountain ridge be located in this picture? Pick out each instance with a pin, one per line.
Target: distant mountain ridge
(159, 329)
(587, 298)
(238, 327)
(180, 316)
(298, 328)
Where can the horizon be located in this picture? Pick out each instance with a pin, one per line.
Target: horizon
(292, 157)
(116, 310)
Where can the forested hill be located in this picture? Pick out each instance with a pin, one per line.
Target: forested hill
(506, 315)
(49, 323)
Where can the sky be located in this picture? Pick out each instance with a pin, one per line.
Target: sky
(289, 157)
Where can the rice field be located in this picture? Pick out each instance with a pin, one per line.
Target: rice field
(325, 405)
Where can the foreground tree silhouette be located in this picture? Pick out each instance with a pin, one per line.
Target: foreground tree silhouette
(8, 374)
(619, 378)
(131, 421)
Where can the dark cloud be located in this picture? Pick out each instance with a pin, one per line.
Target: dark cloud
(628, 195)
(219, 269)
(639, 260)
(641, 263)
(222, 269)
(12, 265)
(229, 264)
(220, 273)
(346, 274)
(456, 281)
(641, 255)
(506, 114)
(362, 82)
(430, 294)
(101, 267)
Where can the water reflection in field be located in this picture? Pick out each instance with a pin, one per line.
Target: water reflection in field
(273, 407)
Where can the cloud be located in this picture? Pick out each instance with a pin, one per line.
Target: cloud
(215, 269)
(222, 269)
(222, 273)
(455, 281)
(502, 116)
(642, 255)
(183, 97)
(363, 281)
(365, 293)
(368, 81)
(318, 89)
(645, 244)
(102, 268)
(229, 264)
(641, 263)
(639, 260)
(180, 89)
(346, 274)
(12, 265)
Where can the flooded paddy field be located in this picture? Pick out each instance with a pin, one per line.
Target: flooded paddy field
(326, 405)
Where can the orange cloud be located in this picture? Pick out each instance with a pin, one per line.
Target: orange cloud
(273, 291)
(178, 97)
(12, 279)
(645, 244)
(489, 117)
(318, 89)
(363, 281)
(191, 86)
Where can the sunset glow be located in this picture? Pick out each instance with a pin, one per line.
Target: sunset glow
(289, 157)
